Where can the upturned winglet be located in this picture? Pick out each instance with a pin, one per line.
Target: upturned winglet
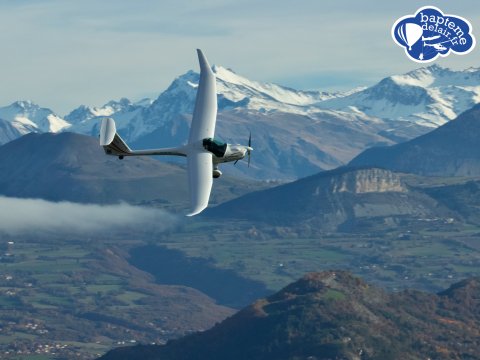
(205, 112)
(204, 65)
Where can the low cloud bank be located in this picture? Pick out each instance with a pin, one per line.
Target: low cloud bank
(19, 216)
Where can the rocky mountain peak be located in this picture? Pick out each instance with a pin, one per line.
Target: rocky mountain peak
(25, 104)
(320, 282)
(27, 116)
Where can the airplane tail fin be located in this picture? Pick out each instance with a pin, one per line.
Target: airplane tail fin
(112, 143)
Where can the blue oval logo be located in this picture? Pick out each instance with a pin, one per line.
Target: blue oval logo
(430, 33)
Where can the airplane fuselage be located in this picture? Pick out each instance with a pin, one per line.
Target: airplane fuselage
(232, 153)
(223, 152)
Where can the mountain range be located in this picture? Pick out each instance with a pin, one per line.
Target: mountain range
(373, 185)
(334, 315)
(69, 166)
(26, 117)
(428, 97)
(295, 133)
(451, 150)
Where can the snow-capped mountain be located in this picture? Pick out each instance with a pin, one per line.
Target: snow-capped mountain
(292, 136)
(27, 117)
(295, 133)
(86, 119)
(234, 92)
(265, 97)
(429, 96)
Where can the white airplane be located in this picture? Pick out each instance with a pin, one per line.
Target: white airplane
(203, 152)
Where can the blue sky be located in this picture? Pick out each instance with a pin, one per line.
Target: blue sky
(63, 53)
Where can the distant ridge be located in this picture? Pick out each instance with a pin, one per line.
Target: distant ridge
(451, 150)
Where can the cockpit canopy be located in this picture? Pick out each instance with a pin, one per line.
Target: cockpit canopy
(217, 147)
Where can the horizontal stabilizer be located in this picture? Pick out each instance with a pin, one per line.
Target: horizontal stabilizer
(112, 143)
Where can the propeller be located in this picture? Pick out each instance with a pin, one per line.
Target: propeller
(249, 149)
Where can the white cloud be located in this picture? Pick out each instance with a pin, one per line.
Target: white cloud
(19, 216)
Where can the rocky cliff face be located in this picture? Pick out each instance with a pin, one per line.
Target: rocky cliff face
(333, 198)
(368, 181)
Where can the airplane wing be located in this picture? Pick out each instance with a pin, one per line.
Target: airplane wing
(200, 180)
(205, 112)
